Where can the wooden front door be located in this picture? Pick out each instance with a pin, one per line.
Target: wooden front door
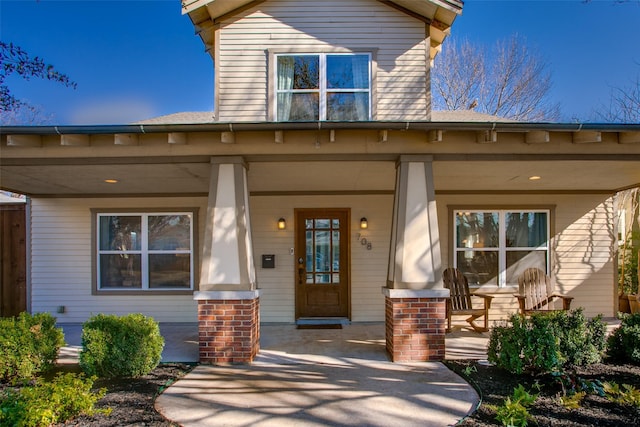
(322, 262)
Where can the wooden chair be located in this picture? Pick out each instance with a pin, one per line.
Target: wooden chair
(535, 292)
(459, 303)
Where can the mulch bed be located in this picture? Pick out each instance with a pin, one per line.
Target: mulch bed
(132, 399)
(495, 385)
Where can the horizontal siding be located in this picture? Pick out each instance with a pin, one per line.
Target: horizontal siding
(61, 272)
(242, 64)
(581, 256)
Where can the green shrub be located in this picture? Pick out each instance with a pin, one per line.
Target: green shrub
(624, 343)
(546, 342)
(127, 346)
(29, 345)
(46, 403)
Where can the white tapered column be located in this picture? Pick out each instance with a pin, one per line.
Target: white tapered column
(414, 260)
(415, 297)
(227, 262)
(228, 298)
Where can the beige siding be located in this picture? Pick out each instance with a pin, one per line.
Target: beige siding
(396, 40)
(581, 257)
(61, 262)
(368, 267)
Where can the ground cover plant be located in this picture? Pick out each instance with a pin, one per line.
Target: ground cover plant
(552, 370)
(35, 392)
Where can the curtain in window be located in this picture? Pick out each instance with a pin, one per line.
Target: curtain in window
(286, 65)
(360, 67)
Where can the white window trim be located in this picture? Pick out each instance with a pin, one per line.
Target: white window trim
(502, 247)
(322, 90)
(144, 251)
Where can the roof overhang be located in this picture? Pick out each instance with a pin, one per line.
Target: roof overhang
(438, 14)
(319, 157)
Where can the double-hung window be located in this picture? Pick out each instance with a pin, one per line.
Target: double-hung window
(493, 247)
(323, 86)
(151, 251)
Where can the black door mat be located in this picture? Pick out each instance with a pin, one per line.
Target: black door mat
(321, 326)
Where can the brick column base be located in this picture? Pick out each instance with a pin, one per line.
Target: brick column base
(228, 329)
(415, 326)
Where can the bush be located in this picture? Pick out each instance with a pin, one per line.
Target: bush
(47, 403)
(127, 346)
(29, 345)
(546, 342)
(624, 343)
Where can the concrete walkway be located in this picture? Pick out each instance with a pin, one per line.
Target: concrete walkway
(312, 377)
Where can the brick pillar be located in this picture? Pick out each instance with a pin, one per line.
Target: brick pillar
(415, 324)
(228, 326)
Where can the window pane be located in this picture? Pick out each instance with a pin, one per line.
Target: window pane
(480, 267)
(169, 270)
(298, 72)
(526, 229)
(477, 230)
(518, 261)
(120, 271)
(298, 106)
(348, 106)
(120, 233)
(348, 71)
(169, 232)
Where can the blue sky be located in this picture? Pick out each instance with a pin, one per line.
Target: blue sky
(139, 59)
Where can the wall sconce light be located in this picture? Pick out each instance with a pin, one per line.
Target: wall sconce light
(282, 224)
(363, 223)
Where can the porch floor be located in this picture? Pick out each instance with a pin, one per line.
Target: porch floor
(282, 342)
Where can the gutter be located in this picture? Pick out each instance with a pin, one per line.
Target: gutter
(319, 125)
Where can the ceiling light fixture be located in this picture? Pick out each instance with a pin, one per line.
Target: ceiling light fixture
(534, 178)
(111, 181)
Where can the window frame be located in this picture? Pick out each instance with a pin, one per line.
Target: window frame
(322, 91)
(144, 251)
(502, 248)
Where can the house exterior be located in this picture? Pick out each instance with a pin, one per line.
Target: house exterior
(321, 188)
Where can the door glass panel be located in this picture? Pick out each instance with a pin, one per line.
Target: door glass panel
(323, 255)
(323, 278)
(335, 262)
(322, 223)
(322, 243)
(309, 251)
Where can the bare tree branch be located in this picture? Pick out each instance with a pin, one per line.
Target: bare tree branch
(508, 79)
(13, 59)
(624, 105)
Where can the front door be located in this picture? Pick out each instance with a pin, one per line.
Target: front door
(322, 262)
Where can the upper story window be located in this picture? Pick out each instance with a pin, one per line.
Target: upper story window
(323, 86)
(493, 247)
(150, 251)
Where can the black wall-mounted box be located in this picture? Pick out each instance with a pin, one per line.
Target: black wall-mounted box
(268, 261)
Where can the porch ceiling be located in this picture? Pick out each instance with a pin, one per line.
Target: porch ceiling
(192, 177)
